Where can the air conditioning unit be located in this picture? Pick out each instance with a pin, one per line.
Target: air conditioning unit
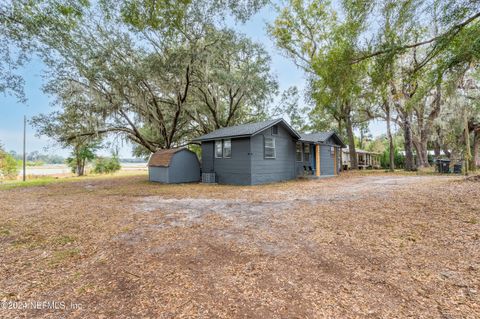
(209, 178)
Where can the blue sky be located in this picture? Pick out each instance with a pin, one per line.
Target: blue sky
(12, 112)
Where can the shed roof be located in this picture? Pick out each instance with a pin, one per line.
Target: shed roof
(321, 137)
(245, 130)
(163, 158)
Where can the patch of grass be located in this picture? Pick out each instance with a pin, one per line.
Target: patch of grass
(30, 240)
(63, 240)
(472, 221)
(7, 295)
(77, 275)
(126, 229)
(62, 255)
(29, 183)
(46, 180)
(4, 232)
(85, 288)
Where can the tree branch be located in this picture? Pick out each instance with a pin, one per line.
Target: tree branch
(450, 33)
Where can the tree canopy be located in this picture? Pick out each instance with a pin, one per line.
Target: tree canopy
(153, 73)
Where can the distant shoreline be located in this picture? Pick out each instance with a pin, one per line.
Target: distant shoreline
(63, 169)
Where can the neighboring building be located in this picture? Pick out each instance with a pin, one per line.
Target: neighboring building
(267, 152)
(176, 165)
(365, 159)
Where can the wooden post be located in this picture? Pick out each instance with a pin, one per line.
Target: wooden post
(317, 160)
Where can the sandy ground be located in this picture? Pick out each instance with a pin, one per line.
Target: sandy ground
(374, 246)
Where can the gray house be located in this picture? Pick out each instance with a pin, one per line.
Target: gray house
(267, 152)
(176, 165)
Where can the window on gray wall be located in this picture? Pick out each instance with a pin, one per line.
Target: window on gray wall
(270, 147)
(307, 152)
(218, 149)
(227, 148)
(298, 154)
(275, 129)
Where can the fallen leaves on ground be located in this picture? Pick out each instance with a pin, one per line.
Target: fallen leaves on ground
(375, 245)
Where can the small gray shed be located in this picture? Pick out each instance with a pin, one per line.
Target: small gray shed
(176, 165)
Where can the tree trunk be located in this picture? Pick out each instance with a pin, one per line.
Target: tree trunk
(422, 153)
(468, 154)
(360, 143)
(447, 152)
(407, 131)
(390, 139)
(80, 167)
(476, 148)
(437, 149)
(78, 161)
(81, 170)
(416, 146)
(351, 143)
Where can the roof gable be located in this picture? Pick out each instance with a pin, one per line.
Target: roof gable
(245, 130)
(321, 137)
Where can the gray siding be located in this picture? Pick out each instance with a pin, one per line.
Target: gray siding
(158, 174)
(207, 156)
(234, 170)
(328, 143)
(184, 168)
(265, 170)
(326, 161)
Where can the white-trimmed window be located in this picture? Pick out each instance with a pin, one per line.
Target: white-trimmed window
(307, 152)
(298, 153)
(218, 149)
(227, 148)
(270, 147)
(332, 151)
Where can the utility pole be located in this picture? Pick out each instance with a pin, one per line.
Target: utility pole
(24, 147)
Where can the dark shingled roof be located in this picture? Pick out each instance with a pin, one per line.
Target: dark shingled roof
(320, 137)
(244, 130)
(163, 157)
(315, 137)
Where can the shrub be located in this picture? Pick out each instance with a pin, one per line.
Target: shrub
(399, 159)
(8, 165)
(105, 165)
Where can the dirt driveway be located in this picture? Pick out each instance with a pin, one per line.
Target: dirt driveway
(373, 246)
